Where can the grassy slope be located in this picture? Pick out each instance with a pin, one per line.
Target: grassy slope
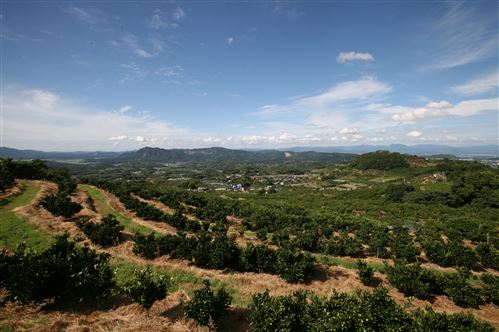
(104, 209)
(13, 229)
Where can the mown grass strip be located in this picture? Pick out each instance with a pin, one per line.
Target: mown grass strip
(104, 209)
(14, 229)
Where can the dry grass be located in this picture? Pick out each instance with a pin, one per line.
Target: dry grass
(14, 190)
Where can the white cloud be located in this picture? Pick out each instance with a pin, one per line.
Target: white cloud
(89, 16)
(415, 134)
(156, 22)
(483, 84)
(347, 130)
(125, 109)
(41, 119)
(178, 13)
(118, 138)
(230, 40)
(462, 36)
(464, 108)
(439, 104)
(131, 41)
(365, 88)
(344, 57)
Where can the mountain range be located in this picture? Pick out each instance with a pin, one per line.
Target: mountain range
(223, 155)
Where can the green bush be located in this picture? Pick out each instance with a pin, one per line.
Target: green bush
(410, 279)
(365, 272)
(293, 265)
(491, 288)
(360, 311)
(207, 306)
(64, 272)
(105, 233)
(61, 205)
(146, 288)
(283, 313)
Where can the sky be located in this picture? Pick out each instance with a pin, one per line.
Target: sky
(120, 75)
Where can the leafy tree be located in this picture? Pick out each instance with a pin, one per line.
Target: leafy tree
(146, 288)
(64, 272)
(105, 233)
(61, 205)
(365, 272)
(206, 305)
(491, 287)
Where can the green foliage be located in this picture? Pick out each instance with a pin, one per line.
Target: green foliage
(365, 272)
(434, 321)
(207, 306)
(64, 272)
(381, 160)
(451, 254)
(146, 288)
(396, 192)
(294, 265)
(283, 313)
(6, 176)
(361, 311)
(412, 280)
(61, 205)
(105, 233)
(491, 288)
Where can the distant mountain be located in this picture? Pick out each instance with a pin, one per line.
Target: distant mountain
(34, 154)
(223, 155)
(420, 149)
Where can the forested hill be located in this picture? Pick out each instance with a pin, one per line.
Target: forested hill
(204, 155)
(222, 155)
(6, 152)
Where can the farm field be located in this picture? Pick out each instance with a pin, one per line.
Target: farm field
(316, 240)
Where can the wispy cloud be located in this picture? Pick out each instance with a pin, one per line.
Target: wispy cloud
(345, 57)
(463, 36)
(479, 85)
(179, 13)
(131, 41)
(285, 9)
(364, 89)
(88, 15)
(230, 40)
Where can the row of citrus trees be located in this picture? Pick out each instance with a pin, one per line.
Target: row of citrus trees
(68, 274)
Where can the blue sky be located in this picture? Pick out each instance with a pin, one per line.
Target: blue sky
(122, 75)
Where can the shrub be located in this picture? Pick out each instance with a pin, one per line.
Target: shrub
(283, 313)
(61, 205)
(105, 233)
(365, 272)
(146, 288)
(491, 288)
(64, 272)
(293, 265)
(362, 311)
(458, 290)
(410, 279)
(206, 305)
